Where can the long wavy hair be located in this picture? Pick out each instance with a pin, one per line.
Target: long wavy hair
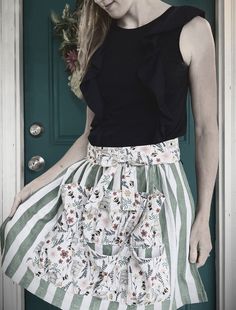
(93, 26)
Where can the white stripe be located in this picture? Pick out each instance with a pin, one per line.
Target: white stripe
(165, 172)
(26, 231)
(157, 306)
(104, 305)
(35, 283)
(67, 300)
(190, 280)
(51, 289)
(122, 306)
(117, 178)
(86, 302)
(178, 227)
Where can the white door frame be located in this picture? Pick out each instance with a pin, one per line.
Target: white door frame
(11, 128)
(12, 140)
(226, 184)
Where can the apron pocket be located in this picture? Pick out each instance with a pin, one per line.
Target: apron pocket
(148, 277)
(147, 232)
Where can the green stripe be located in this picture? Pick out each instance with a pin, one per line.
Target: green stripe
(113, 305)
(26, 216)
(76, 302)
(182, 264)
(26, 279)
(154, 178)
(141, 178)
(33, 234)
(95, 303)
(42, 289)
(2, 234)
(166, 305)
(202, 295)
(58, 297)
(91, 177)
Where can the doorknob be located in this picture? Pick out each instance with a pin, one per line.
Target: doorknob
(36, 163)
(36, 129)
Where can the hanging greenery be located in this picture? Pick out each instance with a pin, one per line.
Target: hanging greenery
(65, 28)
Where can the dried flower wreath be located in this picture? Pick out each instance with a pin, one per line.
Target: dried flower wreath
(66, 27)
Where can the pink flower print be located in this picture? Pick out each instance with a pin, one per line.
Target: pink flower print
(64, 253)
(84, 284)
(115, 226)
(166, 155)
(127, 192)
(143, 233)
(147, 224)
(70, 220)
(105, 221)
(53, 253)
(145, 149)
(71, 60)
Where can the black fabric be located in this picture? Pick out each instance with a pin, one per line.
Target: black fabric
(137, 82)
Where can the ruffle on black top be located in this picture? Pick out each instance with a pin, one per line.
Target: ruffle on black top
(150, 72)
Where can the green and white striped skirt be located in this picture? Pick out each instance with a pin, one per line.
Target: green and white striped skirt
(110, 232)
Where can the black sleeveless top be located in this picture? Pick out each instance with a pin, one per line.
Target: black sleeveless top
(137, 82)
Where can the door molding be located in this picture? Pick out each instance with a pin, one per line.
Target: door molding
(12, 137)
(226, 184)
(11, 128)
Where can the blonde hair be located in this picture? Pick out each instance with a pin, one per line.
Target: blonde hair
(94, 23)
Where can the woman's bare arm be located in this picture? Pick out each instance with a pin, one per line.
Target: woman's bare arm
(203, 87)
(75, 153)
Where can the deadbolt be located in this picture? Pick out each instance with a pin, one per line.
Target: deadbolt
(36, 129)
(36, 163)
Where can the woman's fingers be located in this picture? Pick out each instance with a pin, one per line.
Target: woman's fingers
(200, 243)
(16, 203)
(20, 197)
(203, 254)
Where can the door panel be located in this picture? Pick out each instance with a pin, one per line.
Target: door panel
(49, 101)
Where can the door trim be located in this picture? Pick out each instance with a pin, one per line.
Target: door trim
(11, 128)
(225, 206)
(12, 137)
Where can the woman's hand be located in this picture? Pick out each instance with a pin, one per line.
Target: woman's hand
(200, 242)
(20, 197)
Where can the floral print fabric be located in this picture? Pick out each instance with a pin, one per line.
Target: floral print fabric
(108, 242)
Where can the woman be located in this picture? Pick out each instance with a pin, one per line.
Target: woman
(112, 225)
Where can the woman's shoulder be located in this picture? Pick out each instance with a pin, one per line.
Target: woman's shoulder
(181, 15)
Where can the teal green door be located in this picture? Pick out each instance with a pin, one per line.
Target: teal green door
(49, 101)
